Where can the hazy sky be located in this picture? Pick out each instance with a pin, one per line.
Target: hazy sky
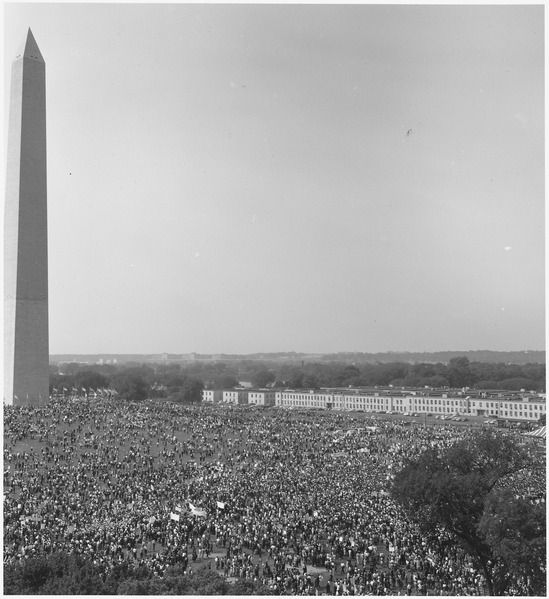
(242, 178)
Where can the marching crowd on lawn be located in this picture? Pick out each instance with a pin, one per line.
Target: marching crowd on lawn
(297, 503)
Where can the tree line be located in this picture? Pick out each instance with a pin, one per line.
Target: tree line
(185, 382)
(457, 373)
(132, 382)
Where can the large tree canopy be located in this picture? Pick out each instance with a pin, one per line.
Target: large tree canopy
(514, 527)
(69, 574)
(460, 489)
(130, 386)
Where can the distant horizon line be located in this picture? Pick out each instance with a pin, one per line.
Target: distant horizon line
(288, 352)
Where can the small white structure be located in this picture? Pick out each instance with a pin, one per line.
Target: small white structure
(212, 395)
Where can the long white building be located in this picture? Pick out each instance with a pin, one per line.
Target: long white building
(496, 404)
(526, 407)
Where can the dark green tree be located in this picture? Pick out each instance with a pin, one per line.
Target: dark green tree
(223, 381)
(310, 381)
(58, 381)
(459, 372)
(70, 367)
(56, 574)
(451, 488)
(90, 379)
(422, 370)
(189, 392)
(130, 386)
(388, 372)
(295, 381)
(70, 574)
(514, 527)
(174, 379)
(261, 378)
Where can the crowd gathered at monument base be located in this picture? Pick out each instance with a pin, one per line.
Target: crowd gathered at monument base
(295, 500)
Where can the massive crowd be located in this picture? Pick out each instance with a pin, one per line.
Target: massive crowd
(298, 502)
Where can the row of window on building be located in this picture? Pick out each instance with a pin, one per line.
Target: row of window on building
(240, 396)
(529, 408)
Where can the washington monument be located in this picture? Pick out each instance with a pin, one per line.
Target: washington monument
(26, 356)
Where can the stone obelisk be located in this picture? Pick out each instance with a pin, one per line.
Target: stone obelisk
(26, 355)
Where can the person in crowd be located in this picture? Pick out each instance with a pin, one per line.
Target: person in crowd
(297, 501)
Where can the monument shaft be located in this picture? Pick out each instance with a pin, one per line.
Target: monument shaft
(26, 351)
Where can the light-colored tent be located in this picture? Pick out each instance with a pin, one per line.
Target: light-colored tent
(540, 433)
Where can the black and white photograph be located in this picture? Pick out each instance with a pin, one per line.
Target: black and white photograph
(274, 299)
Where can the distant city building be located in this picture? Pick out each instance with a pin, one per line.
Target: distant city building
(212, 395)
(262, 397)
(258, 397)
(235, 396)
